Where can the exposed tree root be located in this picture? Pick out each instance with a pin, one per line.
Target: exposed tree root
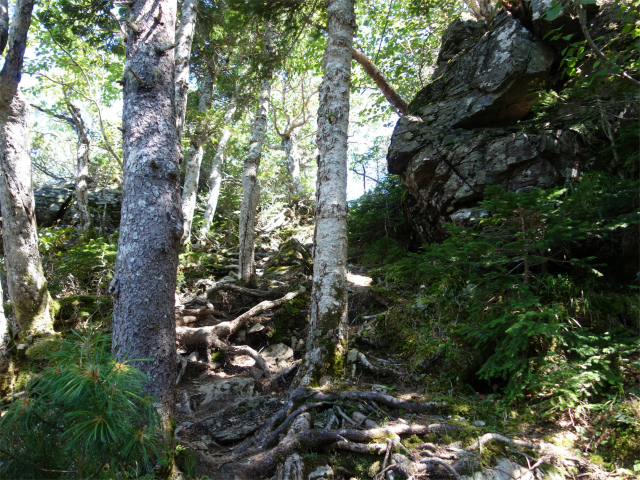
(213, 287)
(211, 335)
(264, 464)
(279, 447)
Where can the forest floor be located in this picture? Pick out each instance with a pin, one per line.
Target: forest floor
(384, 419)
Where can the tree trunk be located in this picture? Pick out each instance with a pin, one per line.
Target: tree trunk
(193, 162)
(290, 144)
(4, 329)
(25, 278)
(215, 177)
(327, 339)
(82, 170)
(144, 283)
(251, 190)
(184, 39)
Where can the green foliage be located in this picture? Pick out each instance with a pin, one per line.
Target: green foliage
(84, 414)
(377, 227)
(532, 308)
(616, 54)
(75, 264)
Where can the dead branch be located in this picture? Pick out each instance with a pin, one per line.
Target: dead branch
(392, 96)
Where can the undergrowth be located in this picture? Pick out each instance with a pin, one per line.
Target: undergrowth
(538, 300)
(85, 414)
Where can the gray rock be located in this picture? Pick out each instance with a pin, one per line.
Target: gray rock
(278, 352)
(358, 417)
(352, 356)
(219, 391)
(258, 327)
(57, 205)
(322, 473)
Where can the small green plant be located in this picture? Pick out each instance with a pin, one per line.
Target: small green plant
(85, 414)
(514, 290)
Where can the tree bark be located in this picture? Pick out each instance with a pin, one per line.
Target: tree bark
(290, 144)
(327, 341)
(144, 283)
(82, 168)
(4, 329)
(215, 177)
(25, 278)
(387, 90)
(251, 190)
(184, 40)
(193, 163)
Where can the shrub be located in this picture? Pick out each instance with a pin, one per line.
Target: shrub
(529, 291)
(85, 414)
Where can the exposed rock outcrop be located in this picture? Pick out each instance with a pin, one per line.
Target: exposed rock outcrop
(56, 204)
(461, 132)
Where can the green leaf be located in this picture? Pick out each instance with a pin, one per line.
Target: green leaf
(554, 11)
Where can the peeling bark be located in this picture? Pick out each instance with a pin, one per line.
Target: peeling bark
(25, 278)
(251, 190)
(327, 339)
(144, 283)
(215, 177)
(193, 163)
(184, 39)
(4, 328)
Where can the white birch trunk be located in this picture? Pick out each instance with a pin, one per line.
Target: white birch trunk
(184, 40)
(82, 167)
(290, 144)
(215, 177)
(193, 163)
(144, 283)
(327, 339)
(25, 278)
(4, 329)
(251, 191)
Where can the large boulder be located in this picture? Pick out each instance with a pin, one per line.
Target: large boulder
(56, 205)
(462, 132)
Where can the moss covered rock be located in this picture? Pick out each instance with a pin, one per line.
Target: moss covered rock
(292, 258)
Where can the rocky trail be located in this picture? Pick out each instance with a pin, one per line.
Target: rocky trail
(237, 414)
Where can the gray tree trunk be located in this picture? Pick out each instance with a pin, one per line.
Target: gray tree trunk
(251, 191)
(4, 329)
(25, 278)
(215, 177)
(193, 163)
(144, 283)
(82, 168)
(74, 120)
(327, 339)
(290, 144)
(184, 40)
